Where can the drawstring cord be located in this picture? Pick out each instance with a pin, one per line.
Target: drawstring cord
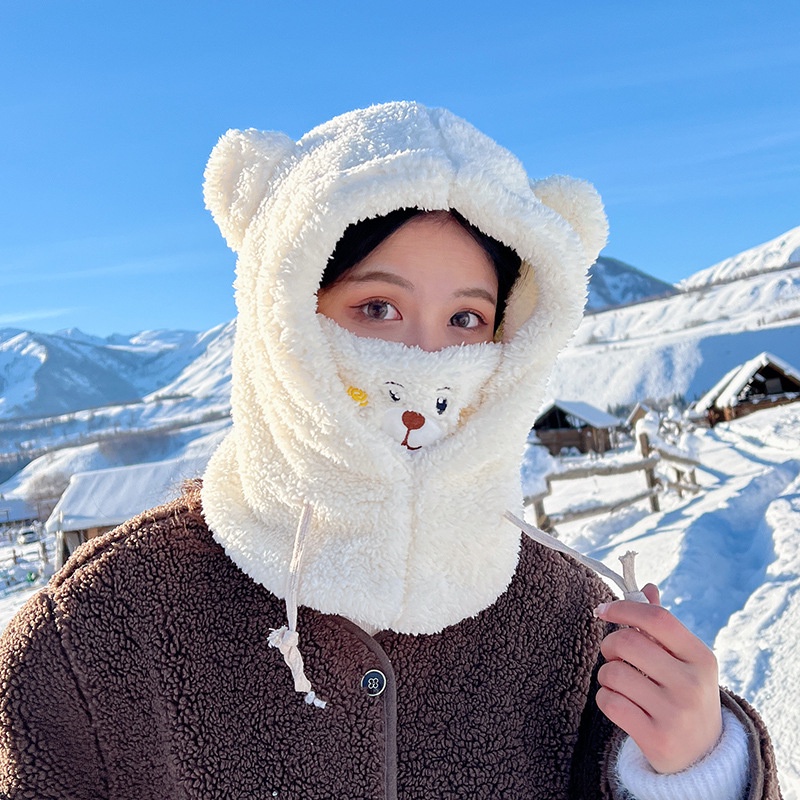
(626, 581)
(286, 638)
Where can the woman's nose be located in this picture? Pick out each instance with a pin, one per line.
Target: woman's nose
(426, 336)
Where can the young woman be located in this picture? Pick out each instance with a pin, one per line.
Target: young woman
(342, 609)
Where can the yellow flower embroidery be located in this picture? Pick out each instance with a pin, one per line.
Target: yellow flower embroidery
(359, 395)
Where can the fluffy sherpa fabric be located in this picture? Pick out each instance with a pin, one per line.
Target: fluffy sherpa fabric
(143, 672)
(409, 540)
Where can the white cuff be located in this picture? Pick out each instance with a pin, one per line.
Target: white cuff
(720, 775)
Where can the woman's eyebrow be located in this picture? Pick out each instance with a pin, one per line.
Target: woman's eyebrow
(477, 292)
(380, 275)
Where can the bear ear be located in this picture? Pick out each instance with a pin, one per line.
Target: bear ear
(580, 205)
(237, 178)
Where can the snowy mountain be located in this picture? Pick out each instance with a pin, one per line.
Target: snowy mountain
(47, 374)
(778, 254)
(614, 283)
(677, 347)
(157, 388)
(208, 377)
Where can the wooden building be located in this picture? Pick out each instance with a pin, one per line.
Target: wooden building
(762, 382)
(96, 502)
(566, 424)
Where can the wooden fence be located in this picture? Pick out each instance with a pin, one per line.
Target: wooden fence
(42, 560)
(683, 479)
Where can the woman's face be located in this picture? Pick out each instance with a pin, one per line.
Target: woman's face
(429, 284)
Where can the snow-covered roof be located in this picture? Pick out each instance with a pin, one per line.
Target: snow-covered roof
(726, 391)
(108, 497)
(586, 412)
(14, 509)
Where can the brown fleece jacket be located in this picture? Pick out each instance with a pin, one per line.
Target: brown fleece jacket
(143, 671)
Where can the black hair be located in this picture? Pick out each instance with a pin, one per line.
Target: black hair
(361, 238)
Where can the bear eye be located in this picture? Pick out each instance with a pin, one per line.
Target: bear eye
(394, 396)
(441, 404)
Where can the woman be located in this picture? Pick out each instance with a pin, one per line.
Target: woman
(348, 547)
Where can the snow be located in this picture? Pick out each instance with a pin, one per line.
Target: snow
(615, 283)
(15, 509)
(773, 255)
(194, 441)
(13, 599)
(46, 374)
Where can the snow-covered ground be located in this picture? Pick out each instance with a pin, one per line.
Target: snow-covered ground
(727, 560)
(23, 572)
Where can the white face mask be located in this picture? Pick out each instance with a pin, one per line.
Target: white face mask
(406, 496)
(414, 397)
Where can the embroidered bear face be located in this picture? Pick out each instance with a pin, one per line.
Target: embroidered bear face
(415, 397)
(411, 417)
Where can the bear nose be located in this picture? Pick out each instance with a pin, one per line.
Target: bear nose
(412, 420)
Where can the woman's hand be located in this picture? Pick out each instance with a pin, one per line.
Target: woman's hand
(659, 683)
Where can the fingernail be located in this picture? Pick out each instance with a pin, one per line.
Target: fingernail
(601, 609)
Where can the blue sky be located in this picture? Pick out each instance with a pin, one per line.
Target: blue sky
(686, 116)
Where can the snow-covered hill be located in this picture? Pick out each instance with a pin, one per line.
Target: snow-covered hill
(176, 379)
(614, 283)
(679, 346)
(774, 255)
(47, 374)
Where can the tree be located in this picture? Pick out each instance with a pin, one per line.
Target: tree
(44, 490)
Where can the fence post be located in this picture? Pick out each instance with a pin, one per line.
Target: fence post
(649, 473)
(541, 517)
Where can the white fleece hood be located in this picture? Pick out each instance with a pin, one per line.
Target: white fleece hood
(408, 459)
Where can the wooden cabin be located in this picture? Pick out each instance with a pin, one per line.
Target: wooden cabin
(762, 382)
(567, 424)
(96, 502)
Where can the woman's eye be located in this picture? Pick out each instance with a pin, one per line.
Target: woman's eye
(466, 319)
(379, 309)
(394, 396)
(441, 404)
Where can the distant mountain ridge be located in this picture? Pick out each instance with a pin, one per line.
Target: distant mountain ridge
(778, 254)
(48, 374)
(614, 283)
